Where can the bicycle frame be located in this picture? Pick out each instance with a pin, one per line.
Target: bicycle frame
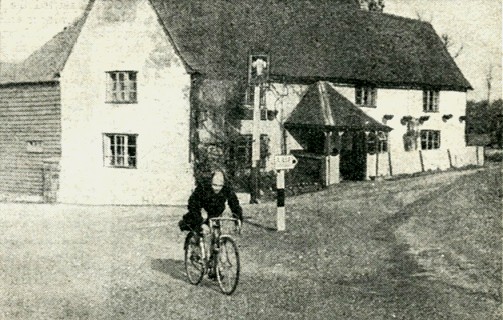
(221, 256)
(216, 233)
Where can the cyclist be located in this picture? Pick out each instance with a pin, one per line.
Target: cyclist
(211, 197)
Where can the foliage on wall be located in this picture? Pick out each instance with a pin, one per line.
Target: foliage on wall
(215, 127)
(411, 136)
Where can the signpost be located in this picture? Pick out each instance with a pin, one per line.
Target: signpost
(282, 163)
(258, 74)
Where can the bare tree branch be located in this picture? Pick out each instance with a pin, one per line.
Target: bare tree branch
(458, 53)
(449, 45)
(447, 40)
(489, 79)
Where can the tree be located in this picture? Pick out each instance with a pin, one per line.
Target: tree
(489, 79)
(453, 49)
(450, 45)
(484, 119)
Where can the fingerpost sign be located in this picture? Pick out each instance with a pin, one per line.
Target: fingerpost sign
(284, 162)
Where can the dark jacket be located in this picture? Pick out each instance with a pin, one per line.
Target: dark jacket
(213, 203)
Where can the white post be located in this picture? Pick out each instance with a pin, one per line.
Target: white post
(256, 126)
(255, 146)
(376, 143)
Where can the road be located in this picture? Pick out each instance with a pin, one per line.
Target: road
(126, 262)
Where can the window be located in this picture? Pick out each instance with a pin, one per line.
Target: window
(121, 87)
(250, 96)
(377, 142)
(366, 96)
(430, 139)
(119, 150)
(34, 146)
(243, 150)
(430, 100)
(246, 113)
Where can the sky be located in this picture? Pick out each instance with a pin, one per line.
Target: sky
(25, 25)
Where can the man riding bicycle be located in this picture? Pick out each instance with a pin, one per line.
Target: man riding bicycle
(211, 197)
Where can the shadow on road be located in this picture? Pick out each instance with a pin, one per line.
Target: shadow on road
(176, 270)
(171, 267)
(258, 225)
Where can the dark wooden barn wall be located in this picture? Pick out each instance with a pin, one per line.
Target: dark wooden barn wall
(28, 112)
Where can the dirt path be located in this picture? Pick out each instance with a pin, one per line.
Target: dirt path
(338, 259)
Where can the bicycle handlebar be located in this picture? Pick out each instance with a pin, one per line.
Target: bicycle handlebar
(216, 221)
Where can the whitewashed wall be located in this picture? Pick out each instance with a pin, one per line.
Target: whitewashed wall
(396, 102)
(407, 102)
(283, 98)
(125, 38)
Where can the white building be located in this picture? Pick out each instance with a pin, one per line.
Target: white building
(140, 88)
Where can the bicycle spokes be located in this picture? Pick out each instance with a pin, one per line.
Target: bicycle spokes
(228, 265)
(194, 260)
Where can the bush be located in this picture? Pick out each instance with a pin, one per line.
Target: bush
(493, 155)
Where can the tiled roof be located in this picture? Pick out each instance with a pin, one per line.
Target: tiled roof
(46, 63)
(323, 107)
(308, 41)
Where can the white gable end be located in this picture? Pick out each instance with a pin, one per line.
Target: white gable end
(99, 114)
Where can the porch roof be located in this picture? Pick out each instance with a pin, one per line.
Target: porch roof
(322, 107)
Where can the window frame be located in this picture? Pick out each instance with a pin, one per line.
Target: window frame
(243, 150)
(127, 87)
(250, 96)
(35, 146)
(366, 96)
(114, 149)
(430, 139)
(377, 142)
(431, 98)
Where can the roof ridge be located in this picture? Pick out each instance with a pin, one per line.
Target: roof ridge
(399, 17)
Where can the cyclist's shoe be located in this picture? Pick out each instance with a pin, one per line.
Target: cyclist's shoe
(212, 275)
(195, 257)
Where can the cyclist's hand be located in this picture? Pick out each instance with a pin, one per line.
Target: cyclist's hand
(205, 229)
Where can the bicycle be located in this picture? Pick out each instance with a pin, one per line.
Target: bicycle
(222, 260)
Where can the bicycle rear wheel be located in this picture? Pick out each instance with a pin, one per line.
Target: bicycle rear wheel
(194, 260)
(228, 265)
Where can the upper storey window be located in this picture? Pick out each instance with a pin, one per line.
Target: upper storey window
(430, 100)
(366, 96)
(121, 87)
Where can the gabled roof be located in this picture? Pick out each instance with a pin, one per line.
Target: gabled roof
(322, 107)
(308, 41)
(46, 63)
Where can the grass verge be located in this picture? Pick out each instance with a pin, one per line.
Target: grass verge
(456, 233)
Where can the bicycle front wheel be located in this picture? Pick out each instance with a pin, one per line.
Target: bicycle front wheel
(194, 259)
(228, 265)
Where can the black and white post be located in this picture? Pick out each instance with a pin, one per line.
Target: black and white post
(280, 186)
(282, 163)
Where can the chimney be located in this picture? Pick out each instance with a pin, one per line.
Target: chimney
(372, 5)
